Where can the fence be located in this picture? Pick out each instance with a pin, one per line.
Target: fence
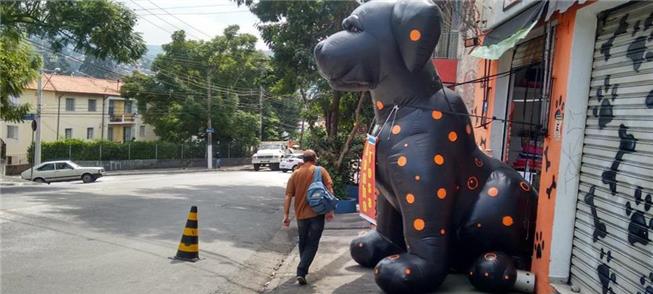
(77, 150)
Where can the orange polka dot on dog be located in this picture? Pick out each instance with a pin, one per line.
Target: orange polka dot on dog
(507, 221)
(379, 105)
(453, 136)
(524, 186)
(493, 192)
(415, 35)
(418, 224)
(402, 161)
(396, 129)
(438, 159)
(442, 193)
(410, 198)
(436, 114)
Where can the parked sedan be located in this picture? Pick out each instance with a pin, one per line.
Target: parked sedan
(59, 171)
(291, 162)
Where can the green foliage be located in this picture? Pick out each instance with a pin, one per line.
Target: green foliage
(18, 67)
(174, 100)
(100, 28)
(75, 149)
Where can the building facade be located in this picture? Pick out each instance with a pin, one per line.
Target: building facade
(565, 96)
(75, 108)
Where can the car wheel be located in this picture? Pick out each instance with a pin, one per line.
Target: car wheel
(284, 170)
(40, 180)
(294, 168)
(257, 167)
(87, 178)
(274, 166)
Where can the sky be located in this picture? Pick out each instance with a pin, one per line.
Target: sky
(201, 19)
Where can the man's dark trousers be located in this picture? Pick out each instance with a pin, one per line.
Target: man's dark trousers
(310, 232)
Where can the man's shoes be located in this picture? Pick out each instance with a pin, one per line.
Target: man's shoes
(301, 280)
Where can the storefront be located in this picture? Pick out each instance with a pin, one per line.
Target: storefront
(569, 104)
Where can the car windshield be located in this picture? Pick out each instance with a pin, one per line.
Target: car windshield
(269, 146)
(74, 165)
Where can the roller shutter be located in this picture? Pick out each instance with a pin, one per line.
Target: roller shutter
(612, 248)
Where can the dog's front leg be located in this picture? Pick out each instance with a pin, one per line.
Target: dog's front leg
(426, 207)
(387, 239)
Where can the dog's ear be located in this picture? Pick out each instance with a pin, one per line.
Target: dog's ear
(416, 27)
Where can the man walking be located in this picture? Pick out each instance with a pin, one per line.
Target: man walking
(310, 225)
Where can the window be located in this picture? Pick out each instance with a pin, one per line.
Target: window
(46, 167)
(110, 134)
(128, 107)
(12, 132)
(92, 105)
(141, 131)
(89, 133)
(63, 165)
(127, 134)
(70, 104)
(69, 133)
(112, 107)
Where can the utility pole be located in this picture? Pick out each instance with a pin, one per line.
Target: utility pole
(39, 103)
(209, 127)
(260, 107)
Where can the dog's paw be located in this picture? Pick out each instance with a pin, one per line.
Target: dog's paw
(407, 273)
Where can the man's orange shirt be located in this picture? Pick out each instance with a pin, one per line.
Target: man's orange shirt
(298, 185)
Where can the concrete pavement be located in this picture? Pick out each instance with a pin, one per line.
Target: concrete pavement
(334, 271)
(116, 235)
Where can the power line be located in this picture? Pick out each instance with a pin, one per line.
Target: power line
(179, 19)
(186, 7)
(198, 13)
(162, 19)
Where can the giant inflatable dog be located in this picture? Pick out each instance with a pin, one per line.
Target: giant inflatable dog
(443, 203)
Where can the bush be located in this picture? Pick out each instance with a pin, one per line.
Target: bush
(75, 149)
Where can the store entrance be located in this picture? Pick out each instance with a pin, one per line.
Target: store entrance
(523, 136)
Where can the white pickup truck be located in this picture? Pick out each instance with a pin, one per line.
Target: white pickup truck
(270, 154)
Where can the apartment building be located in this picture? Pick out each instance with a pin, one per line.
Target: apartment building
(75, 107)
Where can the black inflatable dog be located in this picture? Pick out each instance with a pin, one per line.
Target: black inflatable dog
(443, 203)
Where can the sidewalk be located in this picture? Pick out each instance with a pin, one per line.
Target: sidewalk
(333, 270)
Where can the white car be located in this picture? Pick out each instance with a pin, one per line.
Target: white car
(64, 170)
(291, 162)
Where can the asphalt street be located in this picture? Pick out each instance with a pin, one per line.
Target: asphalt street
(117, 235)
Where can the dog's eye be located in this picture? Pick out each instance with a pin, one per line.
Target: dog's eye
(352, 24)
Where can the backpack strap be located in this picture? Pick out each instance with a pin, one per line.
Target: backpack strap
(317, 177)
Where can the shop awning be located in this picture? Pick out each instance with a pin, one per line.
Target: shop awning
(507, 34)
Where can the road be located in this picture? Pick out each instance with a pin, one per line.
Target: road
(117, 235)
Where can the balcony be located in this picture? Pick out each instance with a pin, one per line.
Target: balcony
(124, 118)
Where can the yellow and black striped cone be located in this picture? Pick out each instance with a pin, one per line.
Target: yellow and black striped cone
(189, 246)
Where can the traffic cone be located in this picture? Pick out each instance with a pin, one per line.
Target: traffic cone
(189, 246)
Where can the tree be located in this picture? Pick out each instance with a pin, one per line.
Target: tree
(97, 67)
(17, 65)
(174, 99)
(100, 28)
(292, 29)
